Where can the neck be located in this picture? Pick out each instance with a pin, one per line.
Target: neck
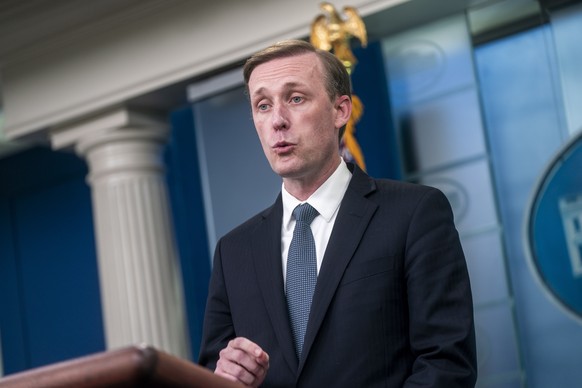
(302, 188)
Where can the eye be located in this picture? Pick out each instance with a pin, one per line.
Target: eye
(262, 107)
(296, 99)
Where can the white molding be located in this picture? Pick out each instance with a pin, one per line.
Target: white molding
(122, 14)
(110, 62)
(70, 134)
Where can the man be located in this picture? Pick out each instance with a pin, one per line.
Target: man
(392, 301)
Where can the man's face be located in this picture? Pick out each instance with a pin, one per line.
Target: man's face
(296, 122)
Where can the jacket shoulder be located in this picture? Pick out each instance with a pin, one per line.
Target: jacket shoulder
(248, 226)
(370, 187)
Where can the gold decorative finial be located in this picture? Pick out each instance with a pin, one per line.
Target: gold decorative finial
(330, 31)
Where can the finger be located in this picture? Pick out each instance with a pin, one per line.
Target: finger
(251, 348)
(234, 372)
(244, 360)
(241, 357)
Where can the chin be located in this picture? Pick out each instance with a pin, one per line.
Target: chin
(285, 169)
(287, 172)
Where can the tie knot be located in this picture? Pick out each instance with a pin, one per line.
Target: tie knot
(305, 213)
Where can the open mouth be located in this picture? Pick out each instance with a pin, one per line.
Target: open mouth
(283, 147)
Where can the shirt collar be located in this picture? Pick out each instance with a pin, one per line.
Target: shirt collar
(326, 199)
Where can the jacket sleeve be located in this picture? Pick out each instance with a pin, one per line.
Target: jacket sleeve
(442, 335)
(218, 328)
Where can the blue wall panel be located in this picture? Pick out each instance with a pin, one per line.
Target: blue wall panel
(525, 129)
(14, 344)
(59, 272)
(50, 303)
(188, 213)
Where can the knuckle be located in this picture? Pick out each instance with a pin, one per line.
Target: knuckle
(239, 372)
(256, 369)
(223, 353)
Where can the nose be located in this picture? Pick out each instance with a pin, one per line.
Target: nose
(279, 117)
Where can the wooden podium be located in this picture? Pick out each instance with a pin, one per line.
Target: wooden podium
(137, 366)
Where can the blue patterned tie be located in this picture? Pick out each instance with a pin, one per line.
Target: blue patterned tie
(301, 273)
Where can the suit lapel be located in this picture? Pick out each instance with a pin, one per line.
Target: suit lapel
(353, 218)
(267, 261)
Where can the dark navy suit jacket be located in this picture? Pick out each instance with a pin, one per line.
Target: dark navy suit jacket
(392, 305)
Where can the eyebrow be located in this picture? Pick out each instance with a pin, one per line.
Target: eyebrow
(287, 86)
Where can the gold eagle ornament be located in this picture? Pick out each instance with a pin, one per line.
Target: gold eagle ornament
(331, 31)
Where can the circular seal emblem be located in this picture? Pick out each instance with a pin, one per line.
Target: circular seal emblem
(553, 228)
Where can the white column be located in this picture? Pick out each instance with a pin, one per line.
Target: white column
(141, 288)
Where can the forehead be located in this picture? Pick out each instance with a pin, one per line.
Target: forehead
(300, 69)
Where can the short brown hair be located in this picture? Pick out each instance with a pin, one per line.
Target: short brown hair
(336, 77)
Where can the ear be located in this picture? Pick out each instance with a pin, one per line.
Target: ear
(343, 110)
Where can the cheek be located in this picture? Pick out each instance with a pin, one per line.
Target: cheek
(259, 128)
(263, 138)
(326, 134)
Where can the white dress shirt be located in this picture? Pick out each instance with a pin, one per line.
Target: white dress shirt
(326, 200)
